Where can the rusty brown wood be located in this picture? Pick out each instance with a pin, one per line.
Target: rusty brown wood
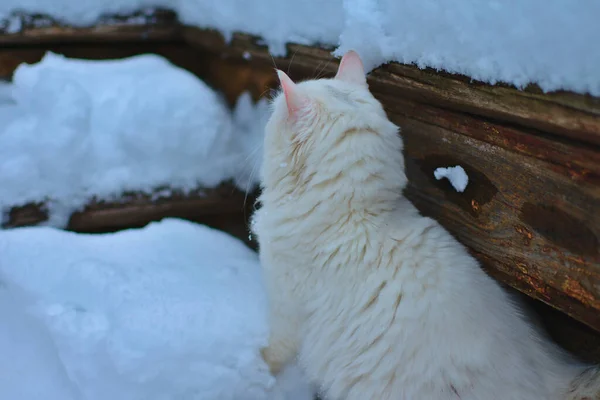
(176, 52)
(160, 25)
(136, 209)
(533, 220)
(561, 113)
(564, 114)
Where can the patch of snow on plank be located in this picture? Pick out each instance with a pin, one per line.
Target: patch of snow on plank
(171, 311)
(519, 42)
(456, 175)
(76, 129)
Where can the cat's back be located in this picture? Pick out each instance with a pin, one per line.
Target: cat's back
(407, 305)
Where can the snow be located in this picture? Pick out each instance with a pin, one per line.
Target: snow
(35, 370)
(456, 175)
(171, 311)
(277, 22)
(75, 129)
(519, 42)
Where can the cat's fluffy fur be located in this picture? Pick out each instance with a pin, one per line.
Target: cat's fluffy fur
(377, 301)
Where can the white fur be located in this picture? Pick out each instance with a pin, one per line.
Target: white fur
(377, 301)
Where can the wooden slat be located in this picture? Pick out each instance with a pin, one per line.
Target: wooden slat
(521, 216)
(134, 210)
(176, 52)
(531, 211)
(565, 114)
(158, 25)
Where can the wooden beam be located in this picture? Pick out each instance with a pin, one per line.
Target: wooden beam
(137, 209)
(523, 217)
(561, 113)
(564, 114)
(37, 29)
(531, 212)
(176, 52)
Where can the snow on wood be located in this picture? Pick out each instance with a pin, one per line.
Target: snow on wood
(517, 42)
(77, 130)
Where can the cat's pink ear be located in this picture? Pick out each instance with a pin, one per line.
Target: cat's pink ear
(294, 99)
(351, 69)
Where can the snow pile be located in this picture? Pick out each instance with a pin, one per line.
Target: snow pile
(75, 129)
(551, 43)
(35, 371)
(171, 311)
(456, 175)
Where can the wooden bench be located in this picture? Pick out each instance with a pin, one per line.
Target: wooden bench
(531, 212)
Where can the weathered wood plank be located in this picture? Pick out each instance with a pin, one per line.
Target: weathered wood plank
(176, 52)
(561, 113)
(226, 76)
(36, 29)
(522, 217)
(136, 209)
(530, 213)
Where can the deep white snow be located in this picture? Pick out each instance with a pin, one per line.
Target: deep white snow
(549, 42)
(75, 129)
(172, 311)
(456, 175)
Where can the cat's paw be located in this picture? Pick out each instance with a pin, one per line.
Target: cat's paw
(271, 359)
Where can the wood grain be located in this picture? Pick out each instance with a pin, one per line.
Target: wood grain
(565, 114)
(137, 209)
(176, 52)
(36, 29)
(561, 113)
(521, 216)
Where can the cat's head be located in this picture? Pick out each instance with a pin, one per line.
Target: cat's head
(323, 127)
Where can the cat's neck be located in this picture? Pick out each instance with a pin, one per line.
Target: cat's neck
(358, 176)
(338, 197)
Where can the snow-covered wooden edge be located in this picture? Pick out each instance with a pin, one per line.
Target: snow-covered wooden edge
(138, 209)
(27, 29)
(530, 211)
(562, 113)
(566, 114)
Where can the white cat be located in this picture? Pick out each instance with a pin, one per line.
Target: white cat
(377, 301)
